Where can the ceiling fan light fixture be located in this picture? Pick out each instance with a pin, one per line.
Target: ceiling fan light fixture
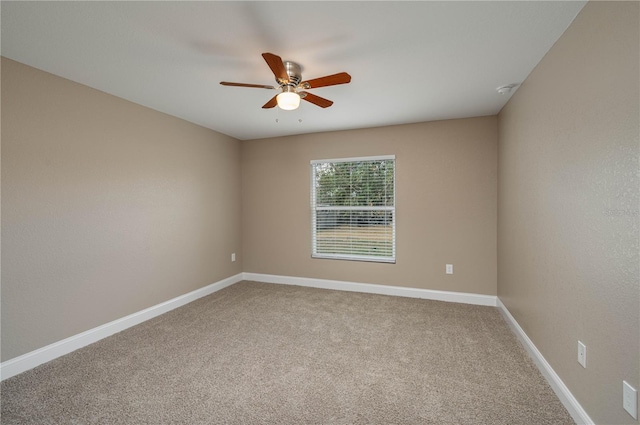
(288, 100)
(292, 88)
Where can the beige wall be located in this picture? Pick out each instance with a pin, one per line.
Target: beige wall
(107, 208)
(568, 209)
(445, 204)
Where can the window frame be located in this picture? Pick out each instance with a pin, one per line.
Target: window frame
(314, 209)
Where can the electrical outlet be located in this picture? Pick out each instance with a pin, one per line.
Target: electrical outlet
(233, 257)
(630, 399)
(449, 269)
(582, 354)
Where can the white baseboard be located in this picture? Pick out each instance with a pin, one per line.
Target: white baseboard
(576, 411)
(42, 355)
(399, 291)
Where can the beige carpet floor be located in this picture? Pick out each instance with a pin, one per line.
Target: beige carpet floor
(257, 353)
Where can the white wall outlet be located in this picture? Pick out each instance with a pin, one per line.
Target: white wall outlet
(449, 269)
(582, 354)
(233, 257)
(630, 399)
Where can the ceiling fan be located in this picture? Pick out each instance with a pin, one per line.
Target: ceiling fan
(292, 88)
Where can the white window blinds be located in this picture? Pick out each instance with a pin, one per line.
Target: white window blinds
(353, 209)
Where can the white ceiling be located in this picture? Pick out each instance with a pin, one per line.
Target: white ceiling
(409, 61)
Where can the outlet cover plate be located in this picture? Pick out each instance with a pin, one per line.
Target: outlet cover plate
(582, 354)
(630, 399)
(449, 269)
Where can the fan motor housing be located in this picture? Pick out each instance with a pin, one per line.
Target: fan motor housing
(294, 71)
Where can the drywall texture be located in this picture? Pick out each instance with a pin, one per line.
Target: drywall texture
(107, 208)
(568, 206)
(446, 204)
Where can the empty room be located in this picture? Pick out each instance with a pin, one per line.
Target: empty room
(386, 212)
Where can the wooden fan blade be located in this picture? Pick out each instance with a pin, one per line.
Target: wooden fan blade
(255, 86)
(329, 80)
(317, 100)
(277, 67)
(271, 103)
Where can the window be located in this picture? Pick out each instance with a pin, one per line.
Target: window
(353, 213)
